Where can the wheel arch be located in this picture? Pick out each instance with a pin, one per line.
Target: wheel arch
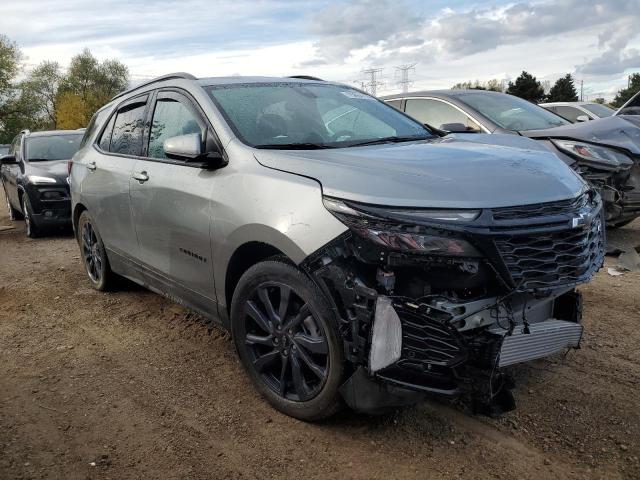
(77, 211)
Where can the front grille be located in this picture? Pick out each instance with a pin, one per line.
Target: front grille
(548, 259)
(541, 209)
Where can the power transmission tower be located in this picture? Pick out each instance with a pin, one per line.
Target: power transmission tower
(372, 85)
(404, 71)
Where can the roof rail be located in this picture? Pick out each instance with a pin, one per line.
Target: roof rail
(306, 77)
(169, 76)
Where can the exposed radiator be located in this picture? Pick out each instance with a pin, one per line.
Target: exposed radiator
(545, 338)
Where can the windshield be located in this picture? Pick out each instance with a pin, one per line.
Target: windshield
(512, 113)
(54, 147)
(599, 110)
(308, 115)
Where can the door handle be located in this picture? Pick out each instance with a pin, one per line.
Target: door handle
(91, 166)
(140, 176)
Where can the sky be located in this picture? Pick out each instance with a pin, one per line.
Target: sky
(449, 42)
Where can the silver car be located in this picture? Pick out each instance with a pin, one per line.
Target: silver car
(353, 254)
(579, 111)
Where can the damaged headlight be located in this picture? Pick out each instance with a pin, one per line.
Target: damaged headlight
(406, 239)
(594, 153)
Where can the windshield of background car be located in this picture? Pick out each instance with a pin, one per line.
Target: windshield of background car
(599, 110)
(53, 147)
(512, 113)
(277, 115)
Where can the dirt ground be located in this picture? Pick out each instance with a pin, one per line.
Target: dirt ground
(129, 385)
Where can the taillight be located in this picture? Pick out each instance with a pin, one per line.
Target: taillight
(69, 165)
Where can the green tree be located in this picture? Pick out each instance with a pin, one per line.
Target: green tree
(41, 87)
(564, 90)
(626, 93)
(93, 82)
(528, 87)
(493, 84)
(10, 57)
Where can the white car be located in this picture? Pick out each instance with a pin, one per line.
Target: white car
(579, 111)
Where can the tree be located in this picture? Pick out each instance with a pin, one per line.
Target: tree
(528, 87)
(626, 93)
(89, 84)
(71, 112)
(10, 57)
(41, 86)
(564, 90)
(493, 84)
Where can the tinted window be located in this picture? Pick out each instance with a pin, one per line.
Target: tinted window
(599, 110)
(128, 128)
(511, 113)
(570, 113)
(170, 119)
(436, 113)
(282, 114)
(55, 147)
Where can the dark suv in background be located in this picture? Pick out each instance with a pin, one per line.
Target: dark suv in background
(34, 177)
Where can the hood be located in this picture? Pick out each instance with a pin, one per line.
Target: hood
(442, 173)
(53, 168)
(612, 131)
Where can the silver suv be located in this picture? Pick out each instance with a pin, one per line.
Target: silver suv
(353, 254)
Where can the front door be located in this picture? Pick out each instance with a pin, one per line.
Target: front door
(171, 206)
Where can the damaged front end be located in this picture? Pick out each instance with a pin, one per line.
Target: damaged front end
(614, 173)
(441, 301)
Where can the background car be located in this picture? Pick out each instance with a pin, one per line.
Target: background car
(4, 149)
(579, 111)
(353, 253)
(631, 107)
(34, 178)
(606, 152)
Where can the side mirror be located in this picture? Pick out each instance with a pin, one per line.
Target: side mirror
(189, 148)
(582, 118)
(455, 128)
(8, 160)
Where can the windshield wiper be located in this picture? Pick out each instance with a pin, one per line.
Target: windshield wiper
(394, 139)
(294, 146)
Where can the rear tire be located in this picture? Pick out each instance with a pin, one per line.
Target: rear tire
(33, 230)
(93, 254)
(286, 336)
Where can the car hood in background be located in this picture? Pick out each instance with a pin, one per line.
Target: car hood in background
(613, 131)
(52, 168)
(443, 173)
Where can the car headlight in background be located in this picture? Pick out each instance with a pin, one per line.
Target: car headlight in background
(403, 238)
(596, 153)
(38, 180)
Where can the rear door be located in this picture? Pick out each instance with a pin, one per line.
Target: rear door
(105, 186)
(170, 201)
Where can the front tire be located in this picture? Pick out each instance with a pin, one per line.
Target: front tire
(14, 214)
(286, 336)
(32, 228)
(93, 253)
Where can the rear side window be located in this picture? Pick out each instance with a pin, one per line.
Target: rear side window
(437, 113)
(397, 104)
(128, 129)
(570, 113)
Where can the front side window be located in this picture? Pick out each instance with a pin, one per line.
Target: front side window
(436, 114)
(128, 128)
(570, 113)
(310, 115)
(511, 113)
(171, 118)
(54, 147)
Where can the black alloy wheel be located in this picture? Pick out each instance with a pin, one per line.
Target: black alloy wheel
(93, 253)
(286, 344)
(285, 333)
